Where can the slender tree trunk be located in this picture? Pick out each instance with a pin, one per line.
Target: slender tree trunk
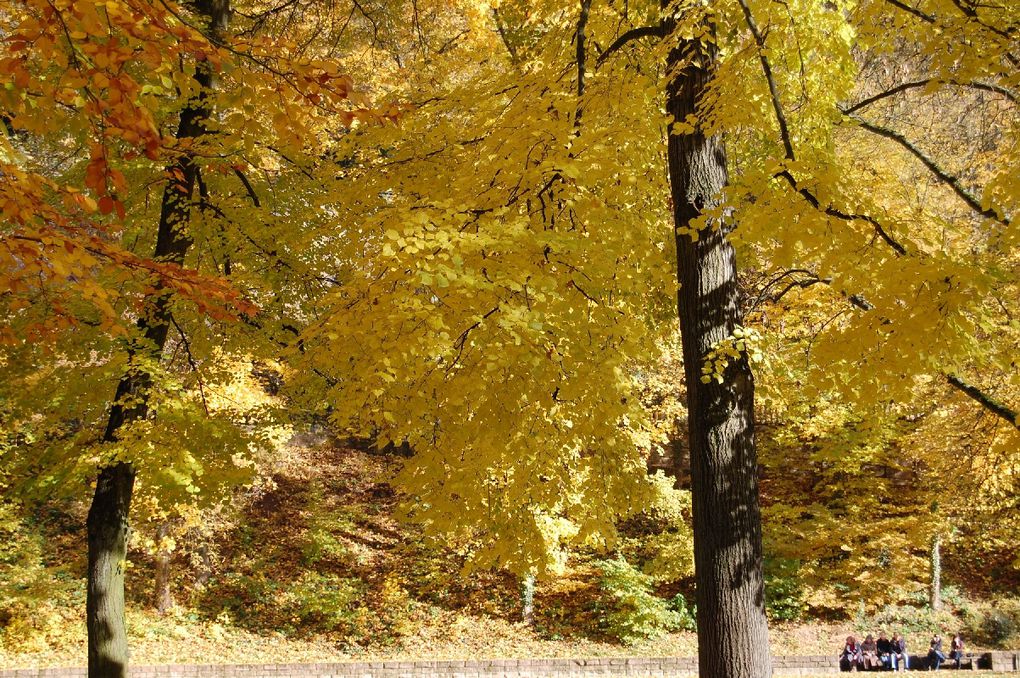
(936, 573)
(732, 630)
(163, 597)
(528, 598)
(205, 565)
(107, 521)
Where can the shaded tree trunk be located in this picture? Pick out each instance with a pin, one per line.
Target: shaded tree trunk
(107, 523)
(204, 567)
(732, 630)
(163, 597)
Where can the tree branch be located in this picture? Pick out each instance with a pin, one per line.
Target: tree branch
(942, 175)
(985, 400)
(784, 133)
(927, 18)
(580, 37)
(987, 87)
(629, 36)
(248, 187)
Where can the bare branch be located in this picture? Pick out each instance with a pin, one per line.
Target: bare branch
(986, 401)
(942, 175)
(987, 87)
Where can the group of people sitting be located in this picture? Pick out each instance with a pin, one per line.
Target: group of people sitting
(890, 654)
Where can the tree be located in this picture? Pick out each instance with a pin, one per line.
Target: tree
(732, 629)
(108, 515)
(107, 81)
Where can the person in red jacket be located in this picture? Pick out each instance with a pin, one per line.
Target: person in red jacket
(956, 649)
(850, 658)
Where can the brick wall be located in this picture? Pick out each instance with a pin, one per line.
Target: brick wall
(488, 668)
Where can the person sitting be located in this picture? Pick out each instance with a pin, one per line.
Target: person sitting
(885, 651)
(869, 654)
(956, 649)
(899, 652)
(850, 658)
(935, 656)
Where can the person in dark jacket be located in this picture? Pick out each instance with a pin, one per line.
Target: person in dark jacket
(885, 650)
(899, 652)
(935, 655)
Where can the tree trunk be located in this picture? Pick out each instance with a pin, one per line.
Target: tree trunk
(528, 598)
(936, 573)
(732, 630)
(204, 568)
(163, 597)
(107, 521)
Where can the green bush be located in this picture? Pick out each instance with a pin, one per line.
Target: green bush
(994, 625)
(325, 602)
(687, 613)
(784, 593)
(910, 619)
(632, 611)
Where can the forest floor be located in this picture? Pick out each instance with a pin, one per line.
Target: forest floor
(311, 566)
(178, 640)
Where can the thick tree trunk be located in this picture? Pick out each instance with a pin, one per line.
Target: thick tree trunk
(732, 630)
(107, 521)
(107, 537)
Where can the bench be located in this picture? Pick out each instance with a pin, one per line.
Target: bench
(967, 661)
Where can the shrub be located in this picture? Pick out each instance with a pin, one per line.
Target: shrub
(632, 611)
(37, 602)
(687, 613)
(784, 592)
(995, 625)
(911, 619)
(325, 601)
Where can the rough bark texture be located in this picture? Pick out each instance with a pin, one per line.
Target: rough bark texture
(107, 521)
(732, 630)
(936, 573)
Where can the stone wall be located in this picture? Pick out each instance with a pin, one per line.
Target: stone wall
(490, 668)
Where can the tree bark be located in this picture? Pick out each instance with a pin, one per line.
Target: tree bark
(528, 598)
(732, 629)
(936, 573)
(107, 523)
(163, 597)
